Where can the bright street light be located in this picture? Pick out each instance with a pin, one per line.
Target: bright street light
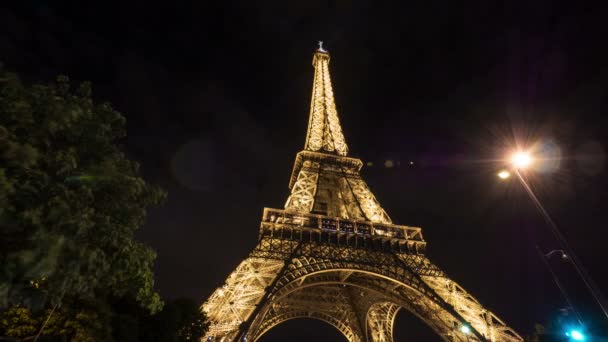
(504, 174)
(575, 335)
(521, 160)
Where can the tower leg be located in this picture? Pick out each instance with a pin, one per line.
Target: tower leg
(232, 304)
(380, 319)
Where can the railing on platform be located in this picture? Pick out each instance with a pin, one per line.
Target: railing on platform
(281, 217)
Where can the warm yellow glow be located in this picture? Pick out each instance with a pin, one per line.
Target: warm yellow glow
(521, 160)
(342, 261)
(504, 174)
(324, 130)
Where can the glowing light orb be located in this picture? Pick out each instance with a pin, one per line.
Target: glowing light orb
(521, 160)
(465, 329)
(576, 335)
(504, 174)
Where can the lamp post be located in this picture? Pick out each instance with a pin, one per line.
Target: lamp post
(545, 258)
(520, 161)
(564, 256)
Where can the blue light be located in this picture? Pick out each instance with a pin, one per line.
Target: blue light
(576, 335)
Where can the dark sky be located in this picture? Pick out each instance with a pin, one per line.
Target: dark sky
(217, 96)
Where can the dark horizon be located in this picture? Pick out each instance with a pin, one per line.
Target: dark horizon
(217, 95)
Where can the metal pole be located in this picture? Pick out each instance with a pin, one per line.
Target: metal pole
(565, 246)
(545, 260)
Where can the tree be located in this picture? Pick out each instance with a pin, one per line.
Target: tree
(181, 320)
(70, 200)
(84, 322)
(17, 322)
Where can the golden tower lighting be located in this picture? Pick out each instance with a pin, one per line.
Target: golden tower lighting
(333, 254)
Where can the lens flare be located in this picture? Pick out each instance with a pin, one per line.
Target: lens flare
(521, 160)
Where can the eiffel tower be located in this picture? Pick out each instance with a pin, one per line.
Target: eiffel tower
(333, 254)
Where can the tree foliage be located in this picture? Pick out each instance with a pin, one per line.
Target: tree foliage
(18, 322)
(70, 200)
(180, 320)
(83, 322)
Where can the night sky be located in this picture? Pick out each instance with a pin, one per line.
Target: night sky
(217, 96)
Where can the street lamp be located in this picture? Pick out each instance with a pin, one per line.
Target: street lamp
(520, 161)
(576, 335)
(504, 174)
(563, 254)
(545, 258)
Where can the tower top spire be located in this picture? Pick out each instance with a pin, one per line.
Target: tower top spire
(321, 49)
(324, 131)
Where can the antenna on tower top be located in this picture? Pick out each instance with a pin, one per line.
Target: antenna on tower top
(321, 46)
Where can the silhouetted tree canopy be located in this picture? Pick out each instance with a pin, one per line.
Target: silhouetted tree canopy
(181, 320)
(70, 200)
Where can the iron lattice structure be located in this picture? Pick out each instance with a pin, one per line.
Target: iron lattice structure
(334, 254)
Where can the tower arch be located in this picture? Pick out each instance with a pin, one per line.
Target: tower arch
(365, 301)
(350, 332)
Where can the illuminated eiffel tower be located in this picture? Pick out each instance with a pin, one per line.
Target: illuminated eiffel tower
(334, 254)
